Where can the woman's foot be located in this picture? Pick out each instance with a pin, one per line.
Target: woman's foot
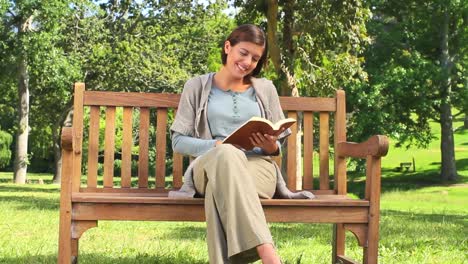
(268, 254)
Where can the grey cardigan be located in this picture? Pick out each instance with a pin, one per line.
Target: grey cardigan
(191, 120)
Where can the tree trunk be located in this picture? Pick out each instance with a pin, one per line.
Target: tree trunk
(447, 145)
(290, 87)
(64, 120)
(21, 154)
(465, 123)
(57, 154)
(274, 50)
(272, 23)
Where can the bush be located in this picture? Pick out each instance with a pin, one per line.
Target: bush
(5, 152)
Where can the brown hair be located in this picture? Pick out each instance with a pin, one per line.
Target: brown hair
(249, 33)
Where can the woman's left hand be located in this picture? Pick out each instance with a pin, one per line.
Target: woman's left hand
(265, 142)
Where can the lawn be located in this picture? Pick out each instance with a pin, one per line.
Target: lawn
(423, 221)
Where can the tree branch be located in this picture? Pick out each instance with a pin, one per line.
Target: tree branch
(13, 15)
(458, 114)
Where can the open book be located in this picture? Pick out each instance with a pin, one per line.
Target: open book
(241, 135)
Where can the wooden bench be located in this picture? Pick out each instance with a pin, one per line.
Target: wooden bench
(84, 203)
(405, 166)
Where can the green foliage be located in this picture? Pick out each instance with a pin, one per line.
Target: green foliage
(405, 89)
(5, 152)
(110, 45)
(328, 39)
(151, 46)
(331, 45)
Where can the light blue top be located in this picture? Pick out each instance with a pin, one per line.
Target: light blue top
(227, 110)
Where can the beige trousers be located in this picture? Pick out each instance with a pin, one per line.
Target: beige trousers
(232, 184)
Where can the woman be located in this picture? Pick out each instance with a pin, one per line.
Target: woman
(232, 180)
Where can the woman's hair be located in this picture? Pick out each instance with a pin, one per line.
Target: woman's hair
(248, 33)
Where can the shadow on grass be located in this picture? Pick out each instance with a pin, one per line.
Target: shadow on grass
(425, 217)
(182, 258)
(185, 233)
(460, 130)
(462, 164)
(32, 203)
(404, 181)
(33, 180)
(285, 232)
(30, 188)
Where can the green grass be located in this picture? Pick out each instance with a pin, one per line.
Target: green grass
(424, 225)
(427, 160)
(423, 221)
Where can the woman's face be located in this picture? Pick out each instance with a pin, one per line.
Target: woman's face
(242, 58)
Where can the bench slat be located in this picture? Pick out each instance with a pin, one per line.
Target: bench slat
(127, 143)
(177, 170)
(340, 136)
(161, 124)
(93, 146)
(78, 135)
(324, 150)
(109, 147)
(308, 104)
(167, 100)
(144, 148)
(320, 200)
(291, 159)
(308, 160)
(131, 99)
(177, 166)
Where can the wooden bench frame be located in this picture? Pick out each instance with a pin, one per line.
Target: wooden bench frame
(83, 205)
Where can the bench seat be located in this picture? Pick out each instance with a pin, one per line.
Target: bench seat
(120, 206)
(320, 200)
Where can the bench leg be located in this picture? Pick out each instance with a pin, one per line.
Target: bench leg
(78, 228)
(74, 250)
(65, 238)
(338, 242)
(371, 251)
(68, 246)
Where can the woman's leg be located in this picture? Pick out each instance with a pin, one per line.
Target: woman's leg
(235, 219)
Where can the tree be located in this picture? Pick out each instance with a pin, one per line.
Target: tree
(111, 45)
(18, 18)
(313, 45)
(417, 65)
(32, 34)
(316, 45)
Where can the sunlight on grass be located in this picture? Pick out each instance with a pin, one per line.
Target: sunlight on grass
(424, 225)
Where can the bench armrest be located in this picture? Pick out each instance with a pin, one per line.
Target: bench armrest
(67, 138)
(375, 146)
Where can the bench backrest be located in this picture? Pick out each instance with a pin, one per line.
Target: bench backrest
(93, 109)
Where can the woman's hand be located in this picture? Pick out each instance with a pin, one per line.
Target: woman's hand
(265, 142)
